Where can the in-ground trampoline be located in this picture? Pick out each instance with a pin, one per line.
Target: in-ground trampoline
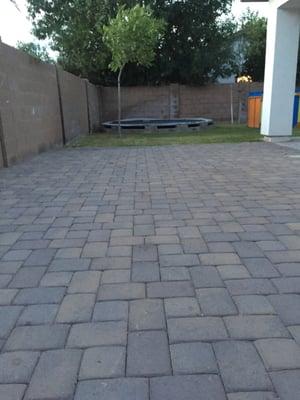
(149, 124)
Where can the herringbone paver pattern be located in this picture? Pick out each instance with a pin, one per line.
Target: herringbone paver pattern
(159, 273)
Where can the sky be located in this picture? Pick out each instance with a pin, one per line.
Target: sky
(238, 8)
(15, 26)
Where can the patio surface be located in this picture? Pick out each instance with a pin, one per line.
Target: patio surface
(161, 273)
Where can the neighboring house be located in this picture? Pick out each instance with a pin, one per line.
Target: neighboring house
(226, 81)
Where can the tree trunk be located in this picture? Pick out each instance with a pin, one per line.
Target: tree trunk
(119, 101)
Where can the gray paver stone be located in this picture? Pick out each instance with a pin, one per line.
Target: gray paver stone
(145, 272)
(8, 318)
(253, 304)
(12, 392)
(193, 358)
(146, 314)
(188, 387)
(17, 367)
(196, 329)
(205, 277)
(76, 308)
(38, 314)
(103, 362)
(148, 354)
(84, 282)
(55, 375)
(170, 289)
(216, 301)
(97, 334)
(287, 384)
(41, 295)
(111, 311)
(287, 306)
(255, 327)
(252, 396)
(39, 337)
(241, 367)
(279, 354)
(113, 389)
(27, 277)
(182, 307)
(121, 291)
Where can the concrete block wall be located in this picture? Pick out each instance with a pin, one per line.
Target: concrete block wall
(137, 101)
(2, 155)
(212, 101)
(94, 107)
(74, 105)
(41, 106)
(29, 105)
(178, 101)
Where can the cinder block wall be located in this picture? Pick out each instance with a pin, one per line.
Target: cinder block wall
(74, 104)
(212, 101)
(177, 101)
(137, 101)
(29, 104)
(41, 106)
(94, 108)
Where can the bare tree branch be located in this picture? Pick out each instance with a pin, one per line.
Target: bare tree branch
(15, 4)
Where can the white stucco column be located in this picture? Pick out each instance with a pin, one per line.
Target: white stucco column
(280, 72)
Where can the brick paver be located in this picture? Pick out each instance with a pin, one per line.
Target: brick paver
(151, 274)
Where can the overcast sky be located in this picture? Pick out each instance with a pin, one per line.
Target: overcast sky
(15, 26)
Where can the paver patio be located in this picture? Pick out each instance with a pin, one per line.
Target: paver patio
(161, 273)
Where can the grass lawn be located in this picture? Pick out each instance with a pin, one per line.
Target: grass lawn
(221, 133)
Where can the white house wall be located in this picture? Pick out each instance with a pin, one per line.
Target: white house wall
(281, 66)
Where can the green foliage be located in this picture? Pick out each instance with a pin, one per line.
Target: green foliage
(73, 28)
(252, 37)
(35, 50)
(196, 48)
(251, 49)
(132, 37)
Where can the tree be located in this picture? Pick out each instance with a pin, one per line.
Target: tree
(251, 39)
(74, 29)
(132, 37)
(35, 50)
(197, 45)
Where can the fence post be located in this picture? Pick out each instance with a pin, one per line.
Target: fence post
(86, 82)
(174, 100)
(60, 105)
(100, 104)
